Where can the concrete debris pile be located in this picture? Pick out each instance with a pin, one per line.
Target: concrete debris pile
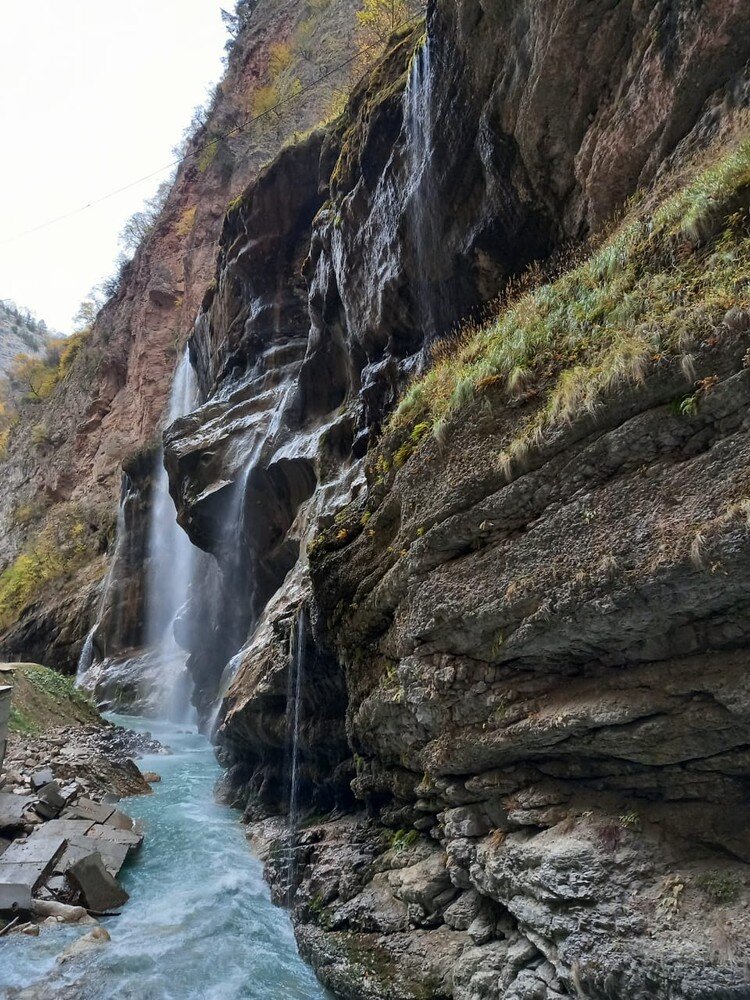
(63, 841)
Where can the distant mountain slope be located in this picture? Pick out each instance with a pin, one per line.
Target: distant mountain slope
(20, 333)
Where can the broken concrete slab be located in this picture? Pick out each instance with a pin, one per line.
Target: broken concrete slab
(99, 889)
(127, 838)
(41, 778)
(87, 809)
(50, 803)
(66, 828)
(39, 848)
(114, 855)
(70, 791)
(30, 873)
(12, 808)
(27, 863)
(120, 821)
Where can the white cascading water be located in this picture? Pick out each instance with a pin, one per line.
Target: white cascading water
(295, 682)
(227, 676)
(86, 659)
(171, 560)
(233, 529)
(418, 101)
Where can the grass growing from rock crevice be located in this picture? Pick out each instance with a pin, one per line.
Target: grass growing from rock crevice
(660, 285)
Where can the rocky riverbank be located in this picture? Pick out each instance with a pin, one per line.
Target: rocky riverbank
(63, 840)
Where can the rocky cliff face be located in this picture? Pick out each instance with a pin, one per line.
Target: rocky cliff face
(68, 452)
(471, 626)
(523, 614)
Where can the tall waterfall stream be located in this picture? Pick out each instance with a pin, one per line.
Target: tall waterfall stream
(171, 562)
(199, 923)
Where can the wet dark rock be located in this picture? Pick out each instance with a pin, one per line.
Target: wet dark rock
(530, 688)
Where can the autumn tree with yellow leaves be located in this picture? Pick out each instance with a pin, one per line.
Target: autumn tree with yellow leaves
(378, 19)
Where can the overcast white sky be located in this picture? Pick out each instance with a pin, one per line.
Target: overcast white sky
(93, 94)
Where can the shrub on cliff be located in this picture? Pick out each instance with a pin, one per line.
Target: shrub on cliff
(378, 19)
(62, 546)
(36, 377)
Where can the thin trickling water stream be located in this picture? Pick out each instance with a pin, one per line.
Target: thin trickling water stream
(88, 651)
(199, 924)
(419, 128)
(293, 720)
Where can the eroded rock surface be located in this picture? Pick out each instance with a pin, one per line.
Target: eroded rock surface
(67, 452)
(522, 692)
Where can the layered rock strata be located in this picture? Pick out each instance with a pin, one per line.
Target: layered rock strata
(534, 678)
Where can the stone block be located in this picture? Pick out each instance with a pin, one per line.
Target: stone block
(12, 808)
(50, 803)
(41, 778)
(114, 855)
(127, 838)
(99, 889)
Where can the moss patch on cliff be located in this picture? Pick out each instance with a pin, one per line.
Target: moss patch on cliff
(661, 284)
(375, 101)
(64, 544)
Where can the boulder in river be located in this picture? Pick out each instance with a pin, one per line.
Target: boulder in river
(93, 939)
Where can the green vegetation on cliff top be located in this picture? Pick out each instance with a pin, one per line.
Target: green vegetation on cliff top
(661, 283)
(43, 699)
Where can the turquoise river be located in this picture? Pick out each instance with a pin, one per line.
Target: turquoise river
(199, 923)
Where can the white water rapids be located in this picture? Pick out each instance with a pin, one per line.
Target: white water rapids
(199, 924)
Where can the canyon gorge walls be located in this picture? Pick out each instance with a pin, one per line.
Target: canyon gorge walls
(469, 628)
(524, 700)
(67, 453)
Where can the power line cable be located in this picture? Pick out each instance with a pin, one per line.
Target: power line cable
(207, 145)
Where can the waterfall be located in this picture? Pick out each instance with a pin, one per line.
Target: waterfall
(418, 112)
(88, 651)
(295, 682)
(233, 531)
(171, 559)
(227, 676)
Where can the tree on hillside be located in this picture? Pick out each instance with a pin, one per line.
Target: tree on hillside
(378, 19)
(141, 224)
(28, 376)
(236, 20)
(88, 309)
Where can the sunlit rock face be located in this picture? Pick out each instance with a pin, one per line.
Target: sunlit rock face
(474, 678)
